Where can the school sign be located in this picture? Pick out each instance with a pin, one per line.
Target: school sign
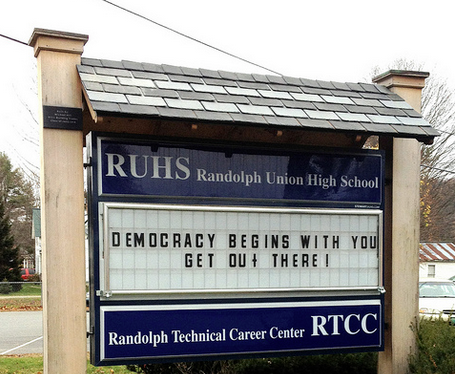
(215, 251)
(216, 231)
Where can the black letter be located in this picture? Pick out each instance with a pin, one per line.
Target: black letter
(163, 240)
(188, 260)
(152, 240)
(115, 239)
(199, 240)
(232, 240)
(139, 239)
(305, 240)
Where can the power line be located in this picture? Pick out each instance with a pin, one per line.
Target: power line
(445, 132)
(191, 38)
(14, 40)
(439, 169)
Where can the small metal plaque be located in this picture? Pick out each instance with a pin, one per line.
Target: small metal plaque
(57, 117)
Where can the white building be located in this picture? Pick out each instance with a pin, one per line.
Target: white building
(437, 260)
(36, 234)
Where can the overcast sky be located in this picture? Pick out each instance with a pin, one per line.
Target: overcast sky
(327, 40)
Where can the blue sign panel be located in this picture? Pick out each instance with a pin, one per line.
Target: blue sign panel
(229, 329)
(152, 170)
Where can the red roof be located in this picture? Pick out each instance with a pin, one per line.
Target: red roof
(437, 252)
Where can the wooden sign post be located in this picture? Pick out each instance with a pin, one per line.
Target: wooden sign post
(62, 201)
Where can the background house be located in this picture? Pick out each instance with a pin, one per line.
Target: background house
(437, 260)
(36, 234)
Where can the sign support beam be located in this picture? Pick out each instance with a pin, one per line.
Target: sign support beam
(401, 246)
(62, 203)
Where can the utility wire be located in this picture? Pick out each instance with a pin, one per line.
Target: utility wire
(191, 38)
(216, 49)
(446, 132)
(14, 40)
(435, 168)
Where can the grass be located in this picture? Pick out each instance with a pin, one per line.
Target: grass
(33, 364)
(21, 364)
(28, 289)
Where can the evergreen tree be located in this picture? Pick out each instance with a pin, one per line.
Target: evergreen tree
(18, 196)
(9, 253)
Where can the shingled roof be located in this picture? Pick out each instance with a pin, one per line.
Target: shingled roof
(125, 88)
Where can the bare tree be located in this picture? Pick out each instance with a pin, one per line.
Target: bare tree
(29, 133)
(23, 142)
(437, 171)
(437, 223)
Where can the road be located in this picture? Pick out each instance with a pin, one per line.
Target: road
(19, 328)
(21, 332)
